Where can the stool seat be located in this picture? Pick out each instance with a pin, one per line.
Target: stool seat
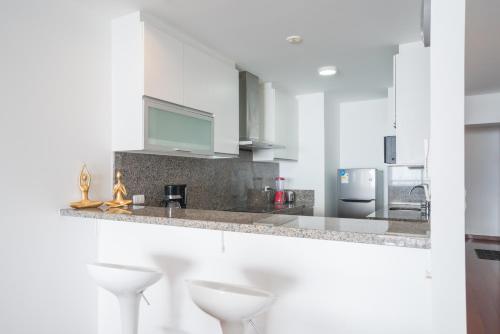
(231, 304)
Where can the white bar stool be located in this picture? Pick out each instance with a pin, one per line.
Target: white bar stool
(127, 283)
(233, 305)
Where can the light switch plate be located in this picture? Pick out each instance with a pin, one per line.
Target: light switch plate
(138, 199)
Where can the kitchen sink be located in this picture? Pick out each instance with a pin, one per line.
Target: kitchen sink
(404, 209)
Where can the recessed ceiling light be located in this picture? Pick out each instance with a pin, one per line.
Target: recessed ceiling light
(327, 70)
(294, 39)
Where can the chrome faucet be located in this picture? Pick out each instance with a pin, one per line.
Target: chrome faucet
(425, 206)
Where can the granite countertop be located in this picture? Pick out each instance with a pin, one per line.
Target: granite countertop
(379, 232)
(402, 215)
(287, 208)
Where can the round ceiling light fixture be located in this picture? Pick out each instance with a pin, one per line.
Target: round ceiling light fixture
(294, 39)
(327, 71)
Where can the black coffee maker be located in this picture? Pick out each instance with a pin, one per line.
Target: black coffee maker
(175, 196)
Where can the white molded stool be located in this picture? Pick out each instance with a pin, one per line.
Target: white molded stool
(127, 283)
(230, 304)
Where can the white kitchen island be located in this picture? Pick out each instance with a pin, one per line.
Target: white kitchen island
(342, 283)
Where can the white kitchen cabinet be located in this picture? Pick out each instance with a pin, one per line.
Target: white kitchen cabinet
(211, 85)
(391, 108)
(279, 124)
(412, 100)
(149, 59)
(225, 89)
(177, 129)
(268, 113)
(287, 126)
(198, 74)
(163, 65)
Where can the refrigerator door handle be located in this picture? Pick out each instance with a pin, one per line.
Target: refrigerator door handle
(357, 200)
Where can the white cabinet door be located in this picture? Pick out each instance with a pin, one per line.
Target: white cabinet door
(391, 97)
(212, 85)
(268, 113)
(163, 61)
(391, 110)
(146, 60)
(198, 73)
(174, 128)
(412, 105)
(225, 92)
(287, 126)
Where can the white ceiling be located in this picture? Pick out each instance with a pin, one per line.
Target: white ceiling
(358, 36)
(482, 57)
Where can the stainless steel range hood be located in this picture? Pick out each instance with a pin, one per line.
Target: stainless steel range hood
(251, 114)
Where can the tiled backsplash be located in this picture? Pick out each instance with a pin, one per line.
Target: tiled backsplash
(257, 197)
(401, 179)
(213, 184)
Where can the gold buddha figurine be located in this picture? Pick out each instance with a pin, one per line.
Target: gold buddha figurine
(119, 193)
(85, 202)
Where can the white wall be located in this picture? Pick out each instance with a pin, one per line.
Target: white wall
(363, 126)
(354, 138)
(332, 153)
(482, 180)
(446, 163)
(482, 109)
(54, 114)
(309, 171)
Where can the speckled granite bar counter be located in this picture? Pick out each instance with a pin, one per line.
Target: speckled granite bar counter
(281, 209)
(401, 215)
(379, 232)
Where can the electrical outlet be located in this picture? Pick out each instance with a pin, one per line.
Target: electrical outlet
(138, 199)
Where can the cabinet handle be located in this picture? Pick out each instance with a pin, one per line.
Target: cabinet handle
(179, 150)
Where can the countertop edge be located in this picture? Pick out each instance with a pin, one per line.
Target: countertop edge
(401, 240)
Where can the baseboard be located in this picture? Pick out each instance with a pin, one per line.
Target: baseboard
(481, 237)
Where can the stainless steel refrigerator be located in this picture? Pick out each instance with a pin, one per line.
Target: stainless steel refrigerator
(360, 192)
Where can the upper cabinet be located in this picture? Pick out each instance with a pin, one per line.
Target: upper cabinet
(151, 60)
(163, 65)
(391, 109)
(198, 74)
(268, 113)
(287, 126)
(175, 129)
(412, 103)
(279, 124)
(211, 85)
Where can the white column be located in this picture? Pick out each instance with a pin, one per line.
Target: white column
(447, 166)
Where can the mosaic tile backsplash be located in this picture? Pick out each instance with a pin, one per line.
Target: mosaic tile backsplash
(212, 184)
(401, 179)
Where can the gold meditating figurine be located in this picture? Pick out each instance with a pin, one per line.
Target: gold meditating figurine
(119, 193)
(85, 180)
